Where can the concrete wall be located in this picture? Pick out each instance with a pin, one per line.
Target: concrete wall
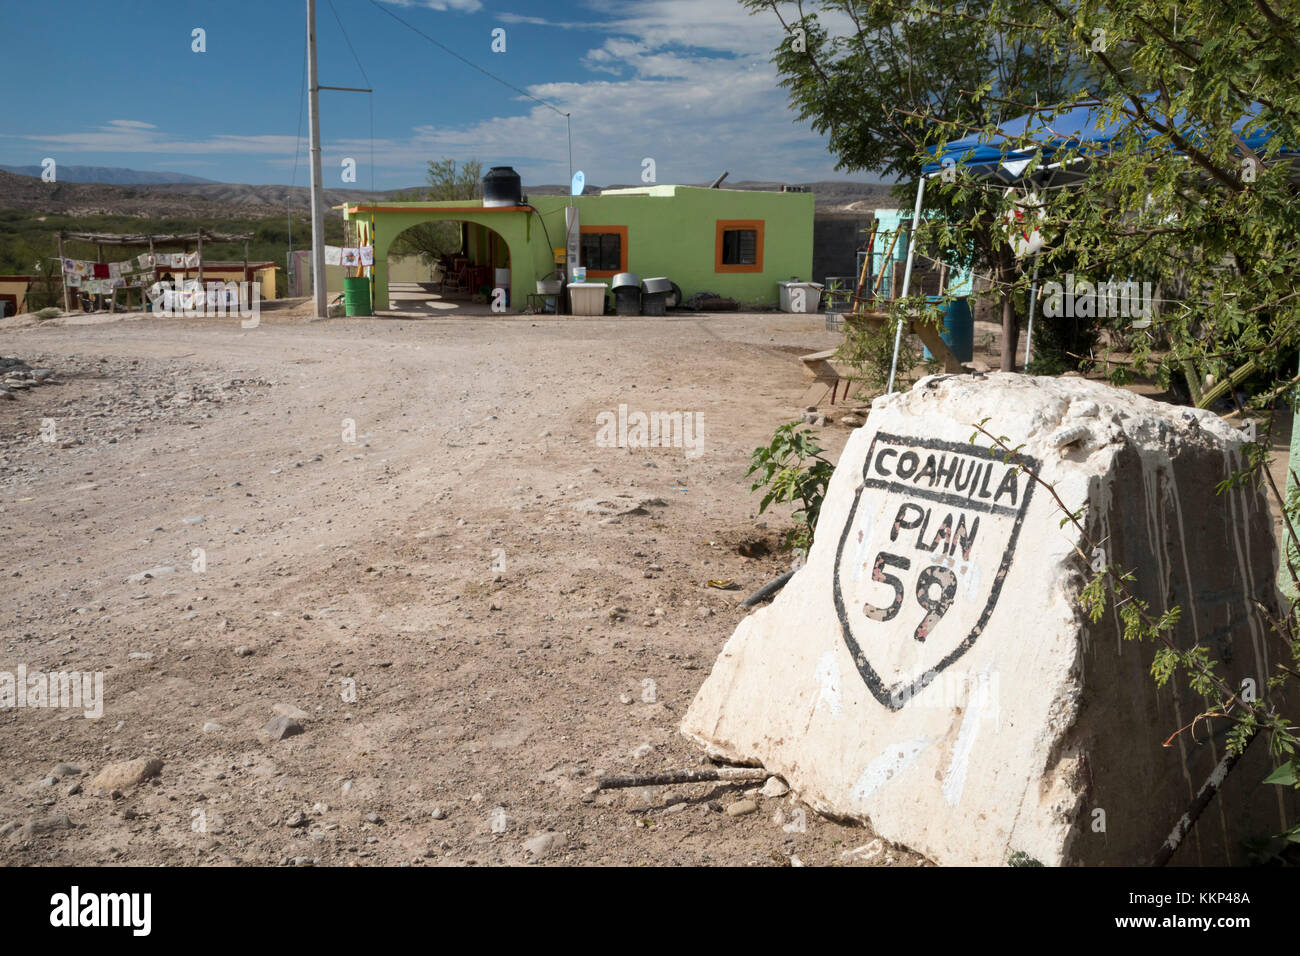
(18, 288)
(672, 231)
(836, 240)
(406, 269)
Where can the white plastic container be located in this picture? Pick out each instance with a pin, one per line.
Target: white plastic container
(811, 296)
(587, 298)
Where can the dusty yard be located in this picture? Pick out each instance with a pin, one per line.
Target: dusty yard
(473, 608)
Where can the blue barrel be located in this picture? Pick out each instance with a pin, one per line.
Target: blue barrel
(960, 323)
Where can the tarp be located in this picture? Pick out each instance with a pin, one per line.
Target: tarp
(1005, 155)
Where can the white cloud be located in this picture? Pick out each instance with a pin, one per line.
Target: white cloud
(461, 6)
(686, 82)
(543, 22)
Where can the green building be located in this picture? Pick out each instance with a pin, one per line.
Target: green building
(733, 242)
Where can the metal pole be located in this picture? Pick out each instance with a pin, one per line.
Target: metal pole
(66, 306)
(1033, 298)
(907, 279)
(317, 210)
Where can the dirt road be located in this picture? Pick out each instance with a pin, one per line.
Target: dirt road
(473, 607)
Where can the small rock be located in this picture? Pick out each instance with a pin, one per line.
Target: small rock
(288, 710)
(296, 819)
(141, 655)
(129, 813)
(151, 573)
(39, 826)
(127, 773)
(862, 853)
(242, 651)
(282, 727)
(775, 787)
(853, 421)
(74, 789)
(374, 818)
(542, 845)
(703, 612)
(438, 813)
(741, 807)
(211, 726)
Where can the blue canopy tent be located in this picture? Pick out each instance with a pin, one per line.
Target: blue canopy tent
(1081, 134)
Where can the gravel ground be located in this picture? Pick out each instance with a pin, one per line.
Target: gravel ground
(403, 537)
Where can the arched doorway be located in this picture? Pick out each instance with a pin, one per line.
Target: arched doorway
(491, 239)
(444, 264)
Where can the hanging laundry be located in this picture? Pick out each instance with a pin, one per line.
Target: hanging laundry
(74, 281)
(144, 260)
(351, 257)
(100, 270)
(192, 260)
(333, 255)
(367, 255)
(81, 267)
(69, 266)
(114, 270)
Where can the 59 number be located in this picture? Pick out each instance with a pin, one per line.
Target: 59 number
(934, 575)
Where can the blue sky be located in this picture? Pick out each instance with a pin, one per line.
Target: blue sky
(685, 82)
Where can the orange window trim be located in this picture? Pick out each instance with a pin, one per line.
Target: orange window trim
(621, 231)
(725, 225)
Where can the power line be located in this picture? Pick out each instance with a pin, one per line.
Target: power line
(370, 94)
(468, 63)
(349, 42)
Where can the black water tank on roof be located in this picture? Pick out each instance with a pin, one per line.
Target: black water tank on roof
(501, 187)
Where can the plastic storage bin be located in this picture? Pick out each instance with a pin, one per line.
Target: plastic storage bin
(812, 293)
(587, 298)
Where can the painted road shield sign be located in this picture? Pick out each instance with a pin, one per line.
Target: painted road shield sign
(923, 557)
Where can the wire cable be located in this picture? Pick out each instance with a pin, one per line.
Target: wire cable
(468, 63)
(370, 94)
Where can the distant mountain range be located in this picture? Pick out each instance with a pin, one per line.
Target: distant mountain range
(110, 175)
(180, 195)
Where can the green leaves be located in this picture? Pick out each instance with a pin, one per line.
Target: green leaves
(1284, 775)
(791, 469)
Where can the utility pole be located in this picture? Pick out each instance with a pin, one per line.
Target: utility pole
(317, 206)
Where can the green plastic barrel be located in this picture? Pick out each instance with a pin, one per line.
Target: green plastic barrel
(356, 296)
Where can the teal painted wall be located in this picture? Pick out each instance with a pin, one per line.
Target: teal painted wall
(671, 232)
